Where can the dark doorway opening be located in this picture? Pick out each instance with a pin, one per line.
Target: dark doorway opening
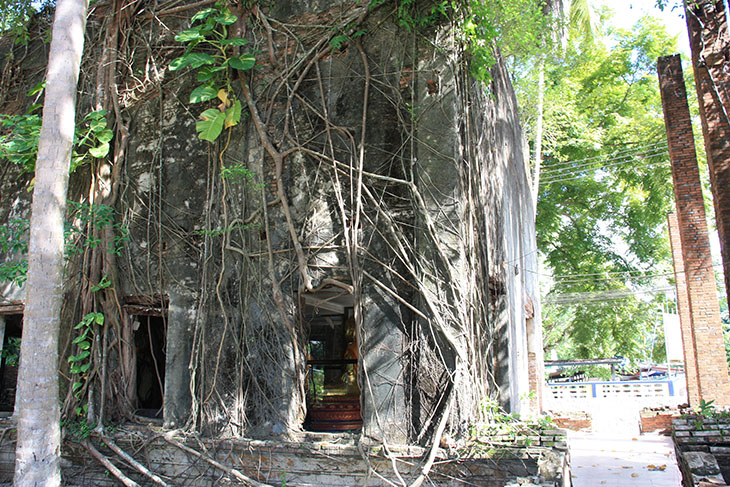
(333, 395)
(13, 330)
(150, 338)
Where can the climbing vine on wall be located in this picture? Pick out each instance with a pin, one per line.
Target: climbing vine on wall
(213, 54)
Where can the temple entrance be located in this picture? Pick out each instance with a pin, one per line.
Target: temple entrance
(333, 395)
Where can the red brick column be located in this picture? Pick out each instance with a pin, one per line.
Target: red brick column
(704, 311)
(710, 43)
(685, 321)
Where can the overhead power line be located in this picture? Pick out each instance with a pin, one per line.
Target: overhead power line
(573, 165)
(582, 173)
(570, 298)
(632, 150)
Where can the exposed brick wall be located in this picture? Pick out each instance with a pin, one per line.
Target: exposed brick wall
(710, 44)
(657, 420)
(575, 421)
(712, 371)
(685, 321)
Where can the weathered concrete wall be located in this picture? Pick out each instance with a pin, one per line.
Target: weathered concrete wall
(432, 187)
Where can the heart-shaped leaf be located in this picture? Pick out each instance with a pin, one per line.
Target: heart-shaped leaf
(206, 12)
(233, 115)
(211, 125)
(192, 59)
(242, 62)
(100, 151)
(234, 42)
(203, 93)
(189, 35)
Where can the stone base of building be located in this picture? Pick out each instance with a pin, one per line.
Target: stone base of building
(320, 460)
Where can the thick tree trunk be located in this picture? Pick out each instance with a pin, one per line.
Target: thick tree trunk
(37, 455)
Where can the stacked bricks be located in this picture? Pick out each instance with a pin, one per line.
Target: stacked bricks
(535, 359)
(704, 311)
(702, 445)
(710, 43)
(656, 419)
(700, 433)
(685, 321)
(575, 421)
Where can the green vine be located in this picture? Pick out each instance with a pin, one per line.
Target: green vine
(517, 27)
(212, 53)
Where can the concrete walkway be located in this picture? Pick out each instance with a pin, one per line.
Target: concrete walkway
(601, 459)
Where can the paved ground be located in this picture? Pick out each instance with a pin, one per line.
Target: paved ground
(614, 454)
(619, 460)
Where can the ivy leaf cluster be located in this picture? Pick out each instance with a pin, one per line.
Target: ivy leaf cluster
(214, 55)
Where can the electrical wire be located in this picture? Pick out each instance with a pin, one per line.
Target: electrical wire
(635, 150)
(558, 180)
(573, 166)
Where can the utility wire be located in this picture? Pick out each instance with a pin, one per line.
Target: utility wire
(567, 298)
(634, 150)
(607, 163)
(586, 175)
(573, 165)
(620, 273)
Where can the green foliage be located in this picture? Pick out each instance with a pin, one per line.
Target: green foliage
(605, 192)
(213, 54)
(85, 218)
(79, 235)
(516, 27)
(91, 140)
(14, 240)
(80, 364)
(11, 351)
(78, 429)
(239, 173)
(19, 141)
(15, 15)
(707, 408)
(20, 134)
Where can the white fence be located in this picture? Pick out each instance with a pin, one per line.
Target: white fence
(612, 389)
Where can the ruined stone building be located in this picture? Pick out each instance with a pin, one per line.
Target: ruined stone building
(361, 243)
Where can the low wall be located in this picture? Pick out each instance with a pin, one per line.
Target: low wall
(702, 445)
(657, 419)
(321, 460)
(573, 420)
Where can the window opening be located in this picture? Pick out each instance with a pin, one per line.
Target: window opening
(13, 329)
(333, 395)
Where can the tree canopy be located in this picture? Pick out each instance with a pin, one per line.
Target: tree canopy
(605, 191)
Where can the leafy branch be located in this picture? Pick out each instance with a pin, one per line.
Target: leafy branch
(212, 53)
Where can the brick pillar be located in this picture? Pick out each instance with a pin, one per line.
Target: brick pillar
(704, 311)
(685, 322)
(710, 43)
(535, 359)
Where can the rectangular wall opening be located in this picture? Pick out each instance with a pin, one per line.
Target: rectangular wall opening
(146, 336)
(12, 328)
(150, 338)
(333, 395)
